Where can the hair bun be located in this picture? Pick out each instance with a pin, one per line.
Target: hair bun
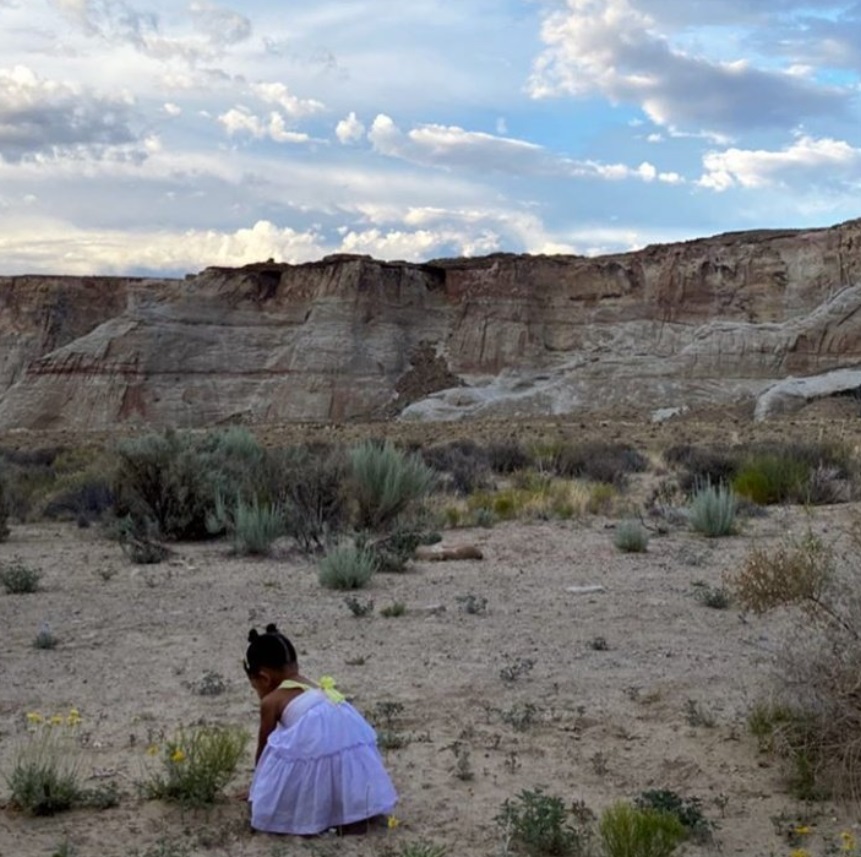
(271, 628)
(252, 635)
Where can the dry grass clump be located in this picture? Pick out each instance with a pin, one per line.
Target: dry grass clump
(814, 719)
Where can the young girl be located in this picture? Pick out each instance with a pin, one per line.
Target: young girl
(317, 763)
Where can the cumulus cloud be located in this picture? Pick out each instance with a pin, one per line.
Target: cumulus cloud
(291, 105)
(350, 130)
(240, 120)
(808, 160)
(38, 115)
(454, 147)
(220, 25)
(611, 48)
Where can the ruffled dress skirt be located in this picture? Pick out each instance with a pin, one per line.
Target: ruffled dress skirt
(320, 768)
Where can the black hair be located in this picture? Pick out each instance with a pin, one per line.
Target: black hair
(270, 649)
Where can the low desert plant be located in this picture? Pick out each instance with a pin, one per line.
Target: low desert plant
(712, 511)
(770, 478)
(196, 765)
(4, 510)
(609, 463)
(45, 778)
(394, 610)
(359, 608)
(45, 638)
(19, 579)
(520, 717)
(473, 604)
(211, 683)
(687, 810)
(716, 597)
(347, 567)
(421, 849)
(516, 669)
(540, 824)
(463, 465)
(252, 525)
(631, 537)
(140, 540)
(701, 466)
(629, 831)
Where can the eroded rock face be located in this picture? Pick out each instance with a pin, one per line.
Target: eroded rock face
(706, 322)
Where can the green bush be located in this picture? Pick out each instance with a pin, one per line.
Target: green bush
(631, 537)
(197, 765)
(702, 466)
(539, 824)
(253, 526)
(687, 810)
(712, 511)
(609, 463)
(347, 567)
(627, 831)
(387, 482)
(19, 579)
(769, 479)
(463, 464)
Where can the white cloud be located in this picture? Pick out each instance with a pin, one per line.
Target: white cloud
(350, 130)
(807, 160)
(278, 93)
(240, 120)
(611, 48)
(172, 109)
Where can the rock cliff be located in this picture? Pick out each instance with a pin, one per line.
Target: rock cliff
(714, 321)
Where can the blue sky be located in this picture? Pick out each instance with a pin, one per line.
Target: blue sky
(162, 136)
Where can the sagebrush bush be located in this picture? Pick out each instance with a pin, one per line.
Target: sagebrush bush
(688, 810)
(768, 479)
(386, 483)
(631, 537)
(463, 465)
(609, 463)
(508, 457)
(713, 511)
(139, 540)
(629, 831)
(347, 567)
(716, 465)
(4, 509)
(253, 526)
(197, 764)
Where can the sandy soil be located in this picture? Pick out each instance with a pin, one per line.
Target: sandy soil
(609, 723)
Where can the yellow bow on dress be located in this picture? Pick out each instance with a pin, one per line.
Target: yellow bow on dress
(327, 685)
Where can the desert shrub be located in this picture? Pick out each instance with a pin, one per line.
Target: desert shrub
(421, 849)
(629, 831)
(359, 608)
(4, 509)
(27, 475)
(88, 494)
(539, 824)
(769, 479)
(394, 610)
(813, 721)
(712, 511)
(631, 537)
(464, 464)
(609, 463)
(19, 579)
(392, 553)
(601, 499)
(386, 483)
(508, 457)
(45, 638)
(45, 776)
(687, 810)
(311, 482)
(196, 765)
(702, 466)
(253, 526)
(139, 539)
(716, 597)
(347, 567)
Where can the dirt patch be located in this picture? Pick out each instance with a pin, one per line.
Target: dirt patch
(608, 720)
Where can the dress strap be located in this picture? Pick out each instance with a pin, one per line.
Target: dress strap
(326, 684)
(289, 684)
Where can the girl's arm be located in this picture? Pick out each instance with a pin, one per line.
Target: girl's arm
(270, 711)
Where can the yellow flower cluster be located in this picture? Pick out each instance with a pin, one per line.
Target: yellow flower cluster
(73, 718)
(799, 852)
(392, 822)
(848, 842)
(177, 756)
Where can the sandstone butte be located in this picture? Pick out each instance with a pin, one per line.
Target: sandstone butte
(769, 318)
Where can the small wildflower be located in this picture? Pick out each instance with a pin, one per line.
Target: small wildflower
(152, 750)
(392, 822)
(799, 852)
(35, 718)
(802, 829)
(57, 720)
(73, 718)
(177, 755)
(847, 841)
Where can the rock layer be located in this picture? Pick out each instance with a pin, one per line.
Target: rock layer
(712, 321)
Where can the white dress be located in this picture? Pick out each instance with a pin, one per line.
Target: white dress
(320, 768)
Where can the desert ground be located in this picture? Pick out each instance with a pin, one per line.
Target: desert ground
(662, 706)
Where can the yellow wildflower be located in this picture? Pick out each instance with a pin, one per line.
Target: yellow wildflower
(57, 720)
(73, 718)
(847, 841)
(392, 822)
(152, 750)
(802, 829)
(799, 852)
(35, 718)
(177, 755)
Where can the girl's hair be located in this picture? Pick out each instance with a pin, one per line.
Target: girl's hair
(271, 649)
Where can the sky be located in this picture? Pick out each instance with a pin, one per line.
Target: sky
(157, 137)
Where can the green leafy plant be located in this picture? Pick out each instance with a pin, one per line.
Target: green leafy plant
(688, 811)
(539, 824)
(197, 764)
(716, 597)
(628, 831)
(631, 537)
(422, 849)
(394, 610)
(359, 608)
(713, 511)
(19, 579)
(253, 525)
(347, 567)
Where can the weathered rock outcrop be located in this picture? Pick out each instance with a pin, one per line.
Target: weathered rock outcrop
(712, 321)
